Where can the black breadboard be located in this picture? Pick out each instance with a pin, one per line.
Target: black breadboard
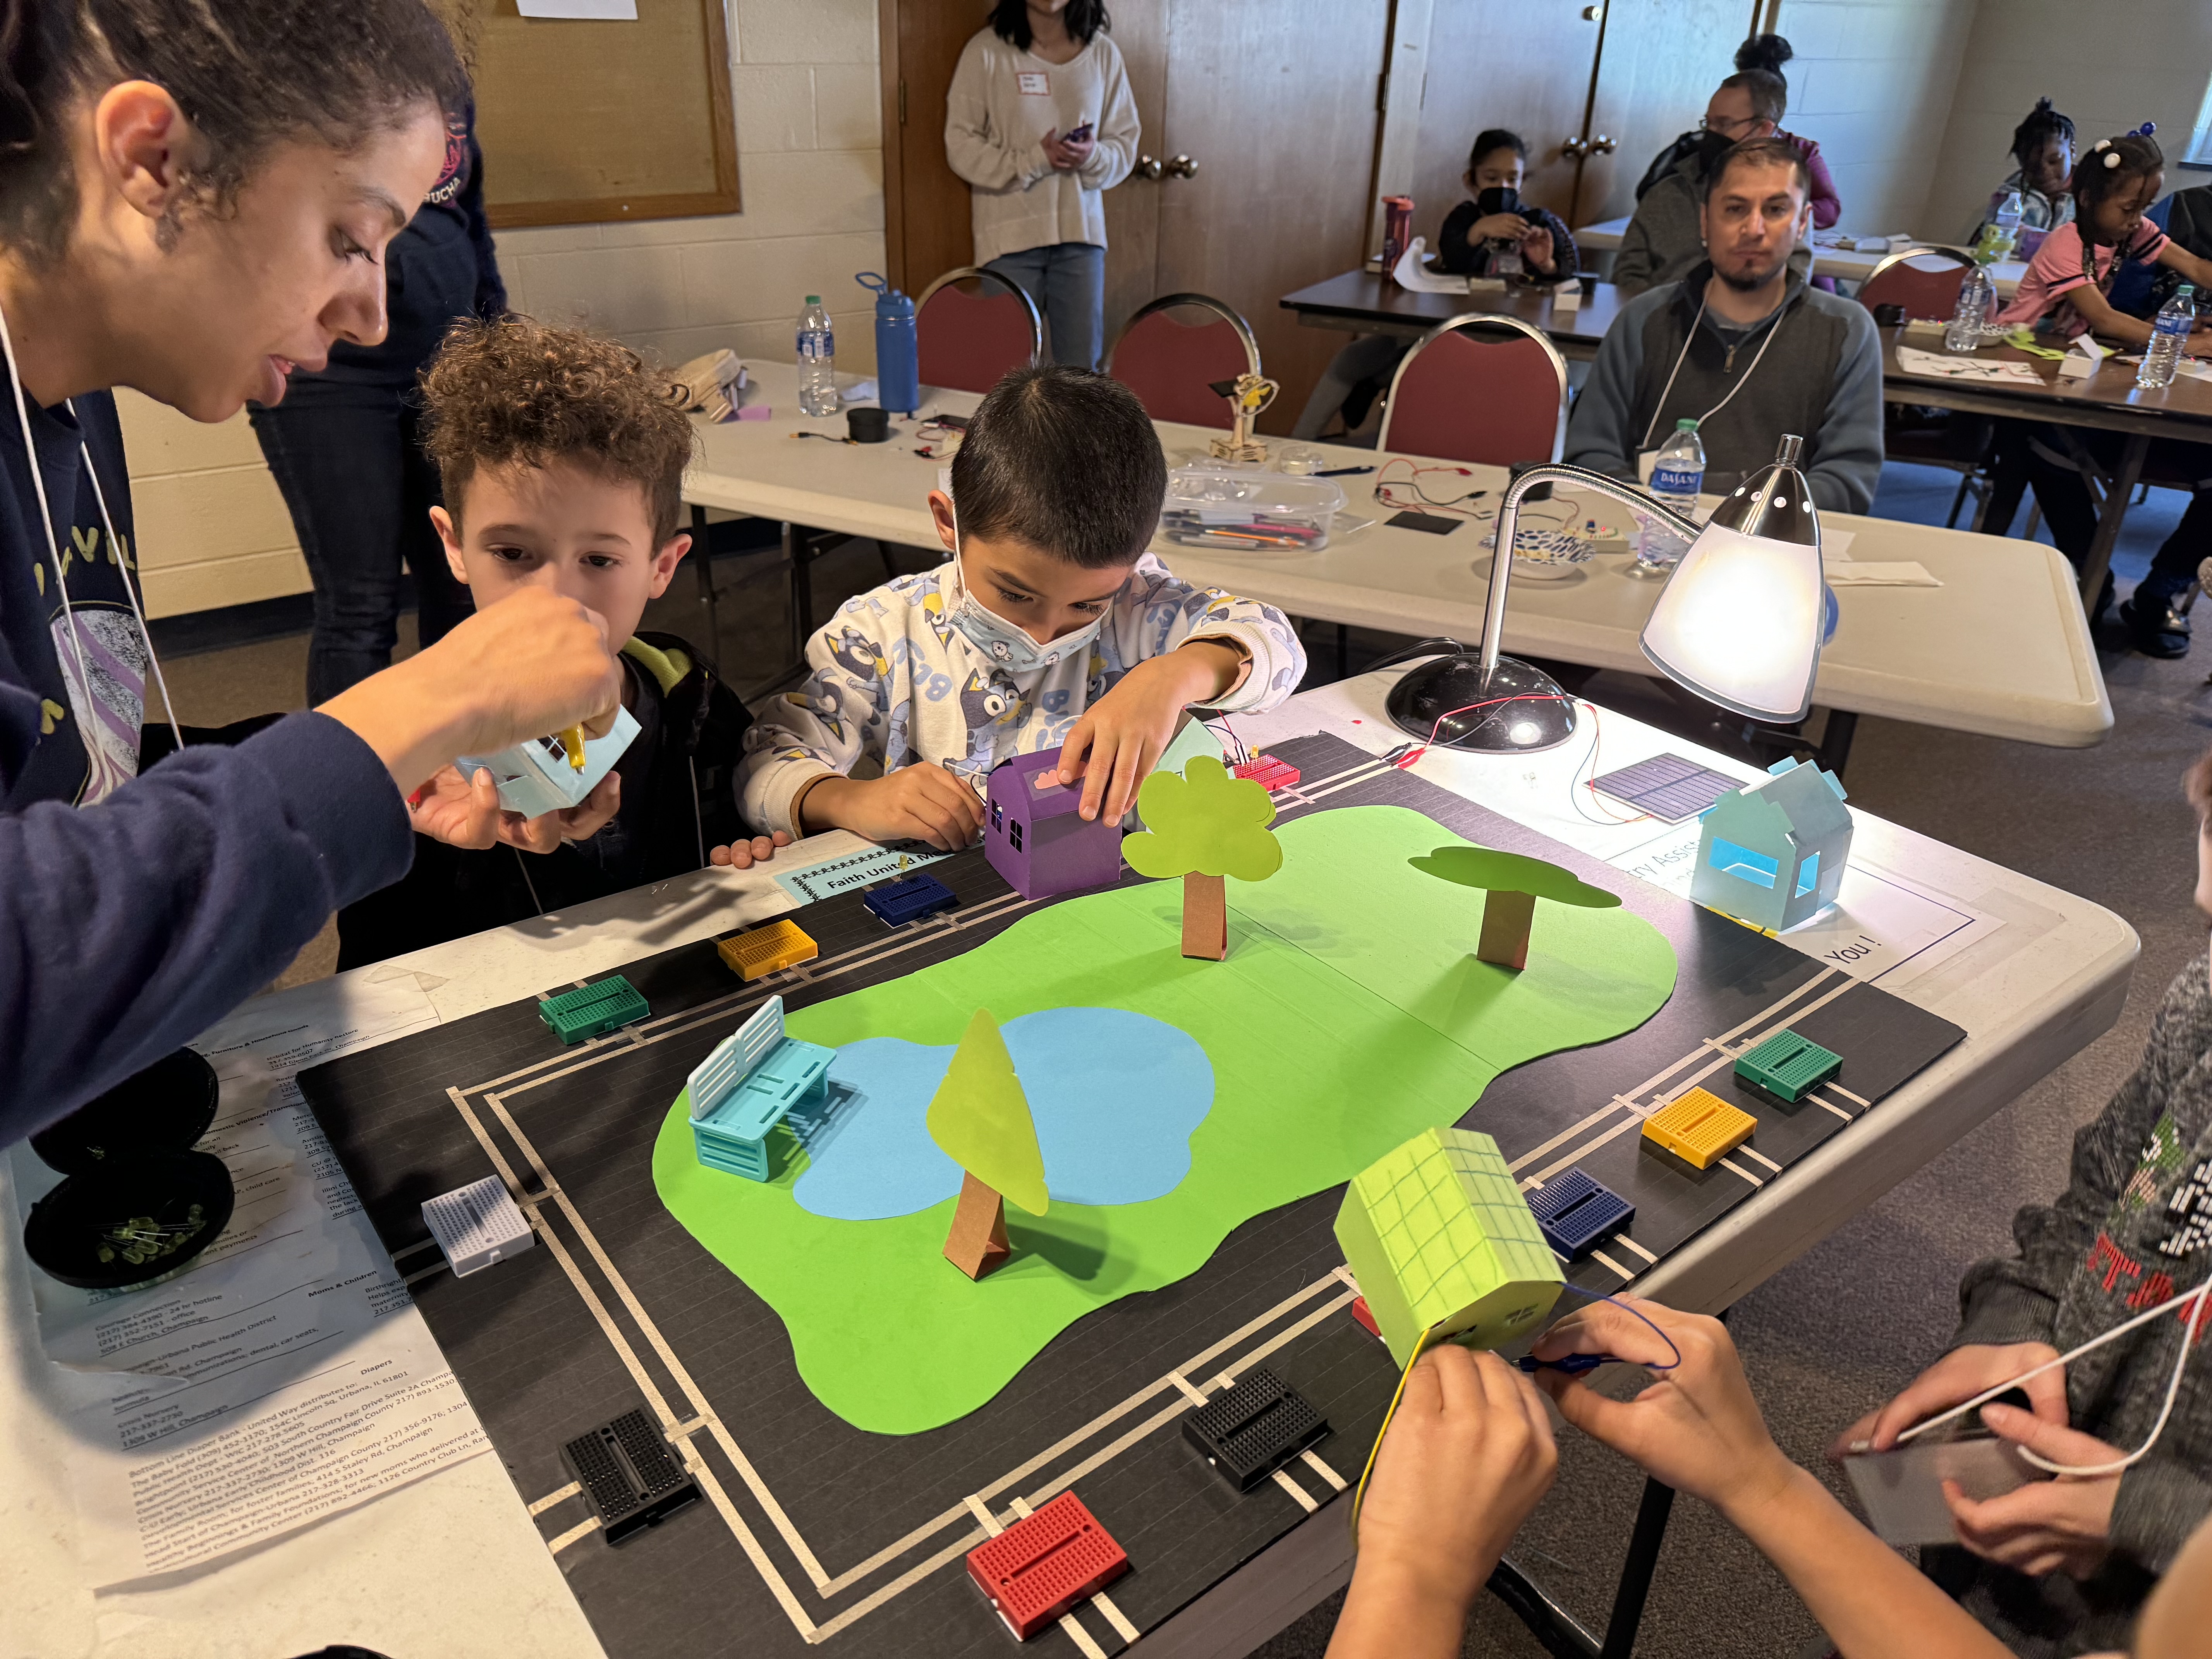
(1249, 1432)
(822, 1538)
(1667, 787)
(627, 1470)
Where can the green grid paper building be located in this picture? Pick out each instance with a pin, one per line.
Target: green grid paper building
(1438, 1234)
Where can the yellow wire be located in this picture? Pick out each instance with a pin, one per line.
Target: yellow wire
(572, 740)
(1359, 1492)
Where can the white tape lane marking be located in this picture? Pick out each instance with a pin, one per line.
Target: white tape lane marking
(676, 1369)
(1753, 1151)
(1114, 1616)
(1830, 1106)
(421, 1273)
(1313, 1461)
(416, 1249)
(1626, 1242)
(553, 1498)
(1600, 1255)
(1569, 1133)
(684, 1432)
(1226, 1380)
(982, 1511)
(1735, 1168)
(898, 1586)
(1189, 1392)
(1767, 1012)
(581, 1529)
(1305, 1500)
(483, 1140)
(1845, 1093)
(1585, 1150)
(1082, 1638)
(1019, 1507)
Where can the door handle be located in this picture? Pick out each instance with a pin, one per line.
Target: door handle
(1147, 167)
(1576, 147)
(1602, 145)
(1182, 167)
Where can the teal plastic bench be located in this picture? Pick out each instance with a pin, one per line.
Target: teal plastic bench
(747, 1086)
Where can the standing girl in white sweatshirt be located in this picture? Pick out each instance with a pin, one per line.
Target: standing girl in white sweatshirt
(1040, 120)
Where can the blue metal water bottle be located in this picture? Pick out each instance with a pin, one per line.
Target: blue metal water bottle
(898, 358)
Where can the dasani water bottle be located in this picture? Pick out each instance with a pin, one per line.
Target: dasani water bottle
(1678, 472)
(2167, 337)
(818, 360)
(1976, 296)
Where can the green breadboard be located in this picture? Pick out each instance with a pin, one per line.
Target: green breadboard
(592, 1010)
(1787, 1065)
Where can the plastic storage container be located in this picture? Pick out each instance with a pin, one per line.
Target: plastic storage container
(1234, 509)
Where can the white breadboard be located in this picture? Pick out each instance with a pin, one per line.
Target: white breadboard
(478, 1225)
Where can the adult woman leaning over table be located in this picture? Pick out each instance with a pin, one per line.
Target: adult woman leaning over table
(193, 201)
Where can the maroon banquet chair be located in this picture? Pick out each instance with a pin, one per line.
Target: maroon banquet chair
(1957, 443)
(1171, 364)
(1495, 401)
(1901, 279)
(967, 341)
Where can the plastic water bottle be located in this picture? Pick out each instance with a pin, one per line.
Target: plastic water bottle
(2167, 337)
(818, 360)
(1976, 296)
(1678, 472)
(2007, 219)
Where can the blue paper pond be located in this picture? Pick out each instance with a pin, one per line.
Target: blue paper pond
(1116, 1095)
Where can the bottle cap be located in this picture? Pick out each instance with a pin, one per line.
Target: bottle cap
(814, 299)
(2184, 290)
(1686, 424)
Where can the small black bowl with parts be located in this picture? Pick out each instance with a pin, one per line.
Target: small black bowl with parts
(868, 426)
(139, 1205)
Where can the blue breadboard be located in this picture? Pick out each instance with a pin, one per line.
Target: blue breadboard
(902, 901)
(1575, 1212)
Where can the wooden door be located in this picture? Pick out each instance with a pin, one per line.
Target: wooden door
(926, 228)
(1521, 64)
(1133, 207)
(1660, 62)
(1275, 102)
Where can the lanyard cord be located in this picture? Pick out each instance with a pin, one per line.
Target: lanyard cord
(46, 514)
(1660, 408)
(123, 564)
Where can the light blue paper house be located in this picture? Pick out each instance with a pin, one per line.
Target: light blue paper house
(535, 778)
(1772, 852)
(747, 1086)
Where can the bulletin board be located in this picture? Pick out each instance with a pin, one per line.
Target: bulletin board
(589, 121)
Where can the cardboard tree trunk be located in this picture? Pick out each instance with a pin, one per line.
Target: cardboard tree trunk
(977, 1242)
(1205, 917)
(1507, 917)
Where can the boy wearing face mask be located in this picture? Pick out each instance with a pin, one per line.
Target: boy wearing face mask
(1050, 627)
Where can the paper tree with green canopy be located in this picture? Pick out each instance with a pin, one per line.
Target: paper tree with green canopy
(1204, 825)
(1515, 882)
(1441, 1241)
(981, 1120)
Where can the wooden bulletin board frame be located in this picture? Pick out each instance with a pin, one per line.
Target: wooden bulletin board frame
(530, 73)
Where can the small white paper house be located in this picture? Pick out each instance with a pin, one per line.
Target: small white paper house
(1772, 852)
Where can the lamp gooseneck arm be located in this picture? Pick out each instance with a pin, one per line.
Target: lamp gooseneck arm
(1509, 515)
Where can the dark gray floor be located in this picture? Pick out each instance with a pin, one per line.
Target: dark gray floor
(1851, 1321)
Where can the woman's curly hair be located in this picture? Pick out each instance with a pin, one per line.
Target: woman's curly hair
(517, 393)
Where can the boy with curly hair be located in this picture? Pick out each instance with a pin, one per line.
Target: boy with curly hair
(563, 467)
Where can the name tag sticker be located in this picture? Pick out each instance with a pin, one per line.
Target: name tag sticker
(1034, 83)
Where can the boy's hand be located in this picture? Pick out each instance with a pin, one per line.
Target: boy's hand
(579, 822)
(744, 854)
(2046, 1526)
(921, 802)
(457, 810)
(1115, 744)
(1957, 1376)
(1696, 1428)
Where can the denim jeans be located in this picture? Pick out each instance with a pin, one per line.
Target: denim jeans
(1068, 281)
(361, 491)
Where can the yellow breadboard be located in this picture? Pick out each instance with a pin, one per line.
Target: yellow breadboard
(1700, 1127)
(764, 950)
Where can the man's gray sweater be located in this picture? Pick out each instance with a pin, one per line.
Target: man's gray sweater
(2133, 1227)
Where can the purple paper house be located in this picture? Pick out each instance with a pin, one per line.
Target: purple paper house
(1036, 839)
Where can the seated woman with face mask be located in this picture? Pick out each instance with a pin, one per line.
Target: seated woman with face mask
(1497, 234)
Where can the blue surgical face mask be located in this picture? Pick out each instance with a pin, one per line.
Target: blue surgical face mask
(1007, 644)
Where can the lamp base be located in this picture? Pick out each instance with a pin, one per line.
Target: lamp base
(1444, 702)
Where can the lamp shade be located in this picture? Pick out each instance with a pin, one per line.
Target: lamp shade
(1741, 620)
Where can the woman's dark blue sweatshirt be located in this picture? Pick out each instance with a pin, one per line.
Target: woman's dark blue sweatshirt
(137, 911)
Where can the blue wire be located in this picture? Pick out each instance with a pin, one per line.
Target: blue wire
(1575, 1364)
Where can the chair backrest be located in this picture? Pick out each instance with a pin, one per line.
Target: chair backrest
(1495, 401)
(1171, 365)
(967, 342)
(1924, 279)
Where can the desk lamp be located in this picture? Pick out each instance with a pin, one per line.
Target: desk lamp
(1738, 623)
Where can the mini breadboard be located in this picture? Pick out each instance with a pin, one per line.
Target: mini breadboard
(593, 1010)
(896, 903)
(1044, 1563)
(1699, 1127)
(1269, 773)
(477, 1225)
(1252, 1429)
(1786, 1066)
(628, 1470)
(1576, 1210)
(759, 952)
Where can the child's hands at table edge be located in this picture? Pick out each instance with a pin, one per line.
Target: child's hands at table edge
(534, 664)
(744, 854)
(921, 802)
(1955, 1378)
(1468, 1453)
(1119, 738)
(465, 813)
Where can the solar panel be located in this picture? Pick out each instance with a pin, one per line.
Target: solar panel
(1666, 787)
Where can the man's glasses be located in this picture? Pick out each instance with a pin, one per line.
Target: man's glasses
(1729, 128)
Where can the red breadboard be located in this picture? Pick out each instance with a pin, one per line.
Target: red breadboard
(1040, 1567)
(1269, 773)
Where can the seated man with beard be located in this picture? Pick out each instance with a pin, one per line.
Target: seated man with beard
(1744, 347)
